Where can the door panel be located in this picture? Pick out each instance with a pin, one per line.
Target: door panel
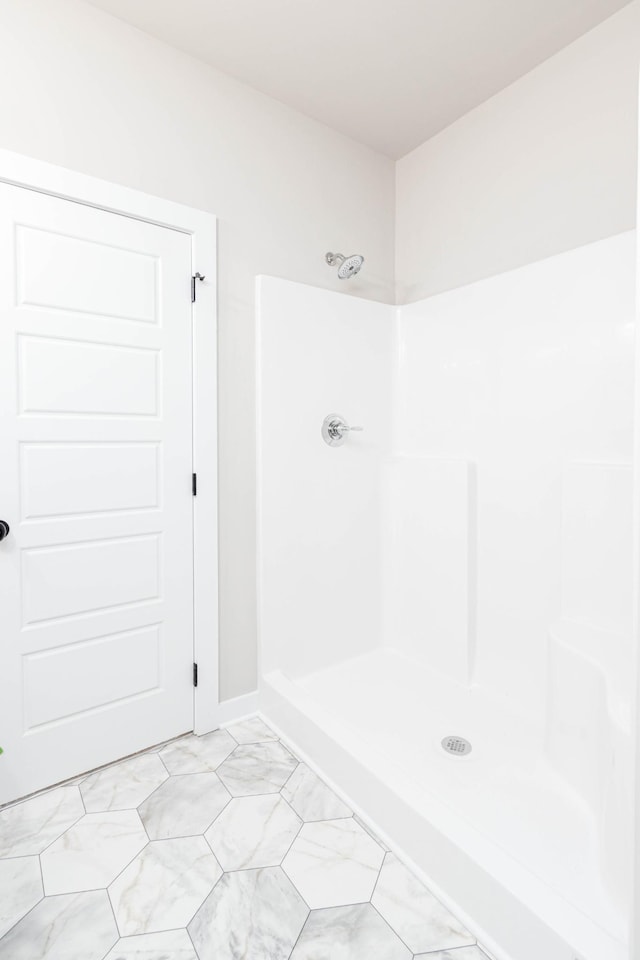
(98, 662)
(96, 576)
(71, 579)
(65, 273)
(62, 479)
(84, 383)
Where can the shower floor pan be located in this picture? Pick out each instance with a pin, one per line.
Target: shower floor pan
(494, 831)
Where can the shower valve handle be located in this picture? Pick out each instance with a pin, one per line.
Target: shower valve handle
(335, 429)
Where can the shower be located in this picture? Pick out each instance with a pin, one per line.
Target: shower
(348, 266)
(438, 627)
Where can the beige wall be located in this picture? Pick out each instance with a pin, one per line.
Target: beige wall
(85, 91)
(547, 164)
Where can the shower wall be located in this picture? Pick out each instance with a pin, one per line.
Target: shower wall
(319, 577)
(486, 505)
(511, 491)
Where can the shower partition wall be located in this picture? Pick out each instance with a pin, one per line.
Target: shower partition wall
(463, 568)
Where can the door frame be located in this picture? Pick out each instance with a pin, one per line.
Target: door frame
(22, 171)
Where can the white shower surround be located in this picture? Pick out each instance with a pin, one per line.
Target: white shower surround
(437, 575)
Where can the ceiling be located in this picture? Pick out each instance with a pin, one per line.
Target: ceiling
(389, 73)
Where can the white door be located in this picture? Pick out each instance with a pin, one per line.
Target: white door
(96, 573)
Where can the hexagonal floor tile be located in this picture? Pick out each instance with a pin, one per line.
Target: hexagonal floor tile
(184, 806)
(30, 826)
(257, 768)
(20, 889)
(253, 832)
(123, 786)
(93, 852)
(423, 922)
(198, 754)
(250, 915)
(164, 886)
(333, 863)
(252, 730)
(168, 945)
(349, 933)
(311, 798)
(75, 926)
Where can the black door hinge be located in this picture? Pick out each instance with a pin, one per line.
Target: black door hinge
(194, 484)
(197, 276)
(195, 674)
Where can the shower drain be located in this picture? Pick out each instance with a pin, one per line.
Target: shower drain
(458, 746)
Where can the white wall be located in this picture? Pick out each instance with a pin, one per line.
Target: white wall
(85, 91)
(543, 166)
(547, 164)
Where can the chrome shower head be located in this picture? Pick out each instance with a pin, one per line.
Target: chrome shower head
(348, 266)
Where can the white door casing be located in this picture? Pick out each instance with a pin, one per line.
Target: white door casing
(96, 575)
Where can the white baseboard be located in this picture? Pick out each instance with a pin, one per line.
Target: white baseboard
(230, 711)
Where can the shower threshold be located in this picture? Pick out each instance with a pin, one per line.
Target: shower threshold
(495, 832)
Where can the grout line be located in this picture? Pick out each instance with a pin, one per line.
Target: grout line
(306, 919)
(377, 879)
(41, 875)
(144, 827)
(226, 730)
(23, 917)
(268, 866)
(211, 823)
(465, 946)
(298, 832)
(393, 929)
(196, 773)
(116, 926)
(195, 949)
(66, 893)
(78, 893)
(293, 810)
(113, 910)
(295, 769)
(20, 856)
(64, 832)
(161, 759)
(206, 897)
(155, 789)
(190, 773)
(126, 866)
(151, 933)
(208, 843)
(296, 888)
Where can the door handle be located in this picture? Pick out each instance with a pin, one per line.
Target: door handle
(4, 529)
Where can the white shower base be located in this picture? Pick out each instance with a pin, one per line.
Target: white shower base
(485, 829)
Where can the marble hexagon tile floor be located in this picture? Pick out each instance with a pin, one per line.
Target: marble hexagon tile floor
(222, 847)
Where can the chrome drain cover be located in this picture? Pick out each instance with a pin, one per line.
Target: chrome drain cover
(457, 746)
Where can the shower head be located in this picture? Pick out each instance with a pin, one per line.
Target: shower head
(347, 266)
